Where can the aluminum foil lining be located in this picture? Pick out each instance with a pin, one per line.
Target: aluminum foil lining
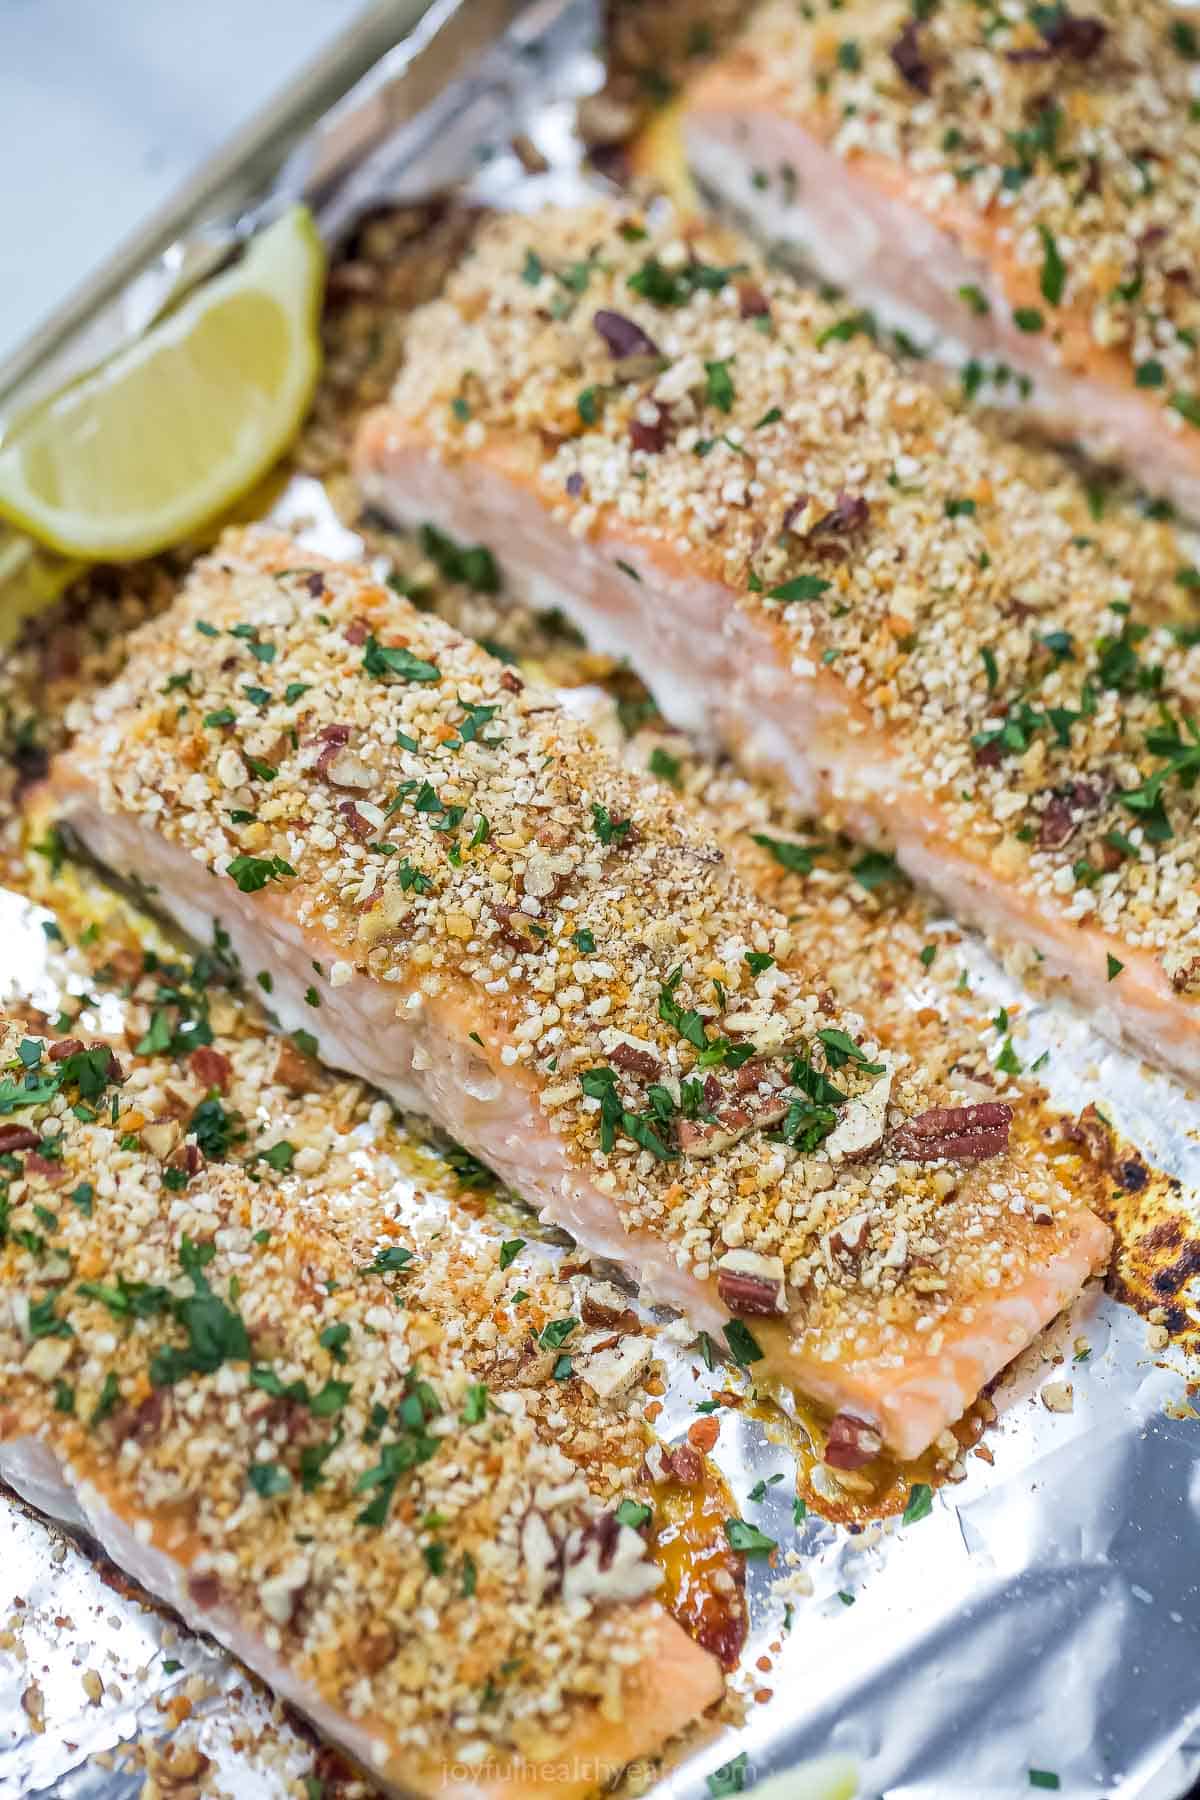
(1039, 1628)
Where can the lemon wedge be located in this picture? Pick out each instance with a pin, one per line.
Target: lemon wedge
(151, 446)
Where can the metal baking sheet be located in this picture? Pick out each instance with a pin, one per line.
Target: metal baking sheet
(1040, 1627)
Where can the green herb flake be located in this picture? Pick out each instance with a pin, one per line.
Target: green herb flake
(729, 1779)
(797, 859)
(250, 873)
(269, 1480)
(391, 659)
(748, 1538)
(801, 587)
(718, 389)
(919, 1504)
(743, 1345)
(1054, 269)
(665, 766)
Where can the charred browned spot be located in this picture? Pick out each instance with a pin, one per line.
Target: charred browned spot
(1169, 1280)
(1131, 1175)
(1166, 1235)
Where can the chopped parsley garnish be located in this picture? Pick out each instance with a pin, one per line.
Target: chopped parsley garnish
(796, 858)
(608, 829)
(411, 879)
(975, 298)
(841, 1049)
(555, 1334)
(758, 1492)
(224, 715)
(476, 1403)
(1054, 269)
(674, 287)
(743, 1345)
(334, 1338)
(665, 766)
(729, 1779)
(687, 1022)
(875, 868)
(510, 1249)
(584, 941)
(1182, 764)
(748, 1538)
(251, 873)
(388, 1261)
(920, 1503)
(215, 1332)
(845, 329)
(413, 1446)
(268, 1479)
(472, 565)
(279, 1156)
(718, 390)
(1028, 318)
(1114, 967)
(801, 587)
(106, 1405)
(389, 659)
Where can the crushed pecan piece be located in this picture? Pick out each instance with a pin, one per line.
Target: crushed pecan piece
(958, 1133)
(852, 1442)
(634, 1061)
(210, 1067)
(623, 336)
(17, 1137)
(909, 59)
(750, 1285)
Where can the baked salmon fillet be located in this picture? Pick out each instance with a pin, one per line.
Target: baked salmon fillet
(329, 1441)
(466, 902)
(1014, 191)
(811, 556)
